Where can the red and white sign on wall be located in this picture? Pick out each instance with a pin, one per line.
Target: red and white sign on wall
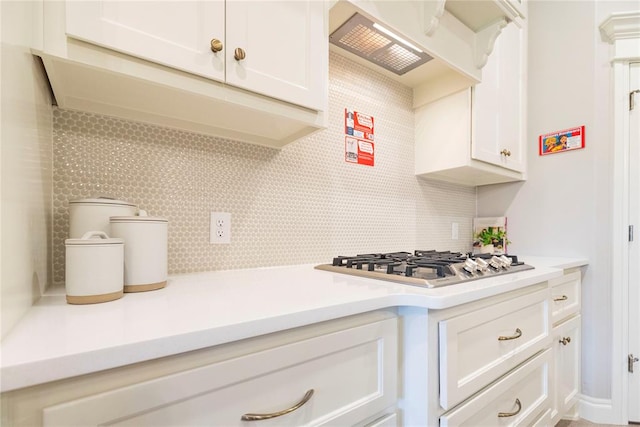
(358, 141)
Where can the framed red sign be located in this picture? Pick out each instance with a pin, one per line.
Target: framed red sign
(561, 141)
(359, 147)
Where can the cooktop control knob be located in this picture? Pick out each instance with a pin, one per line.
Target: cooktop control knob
(470, 266)
(506, 261)
(482, 264)
(496, 263)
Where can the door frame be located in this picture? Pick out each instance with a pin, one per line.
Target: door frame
(622, 30)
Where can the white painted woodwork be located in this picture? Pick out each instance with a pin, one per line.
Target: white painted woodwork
(544, 420)
(529, 383)
(121, 63)
(566, 375)
(622, 30)
(499, 103)
(390, 420)
(471, 355)
(290, 63)
(481, 14)
(175, 34)
(458, 34)
(634, 246)
(566, 286)
(353, 373)
(460, 137)
(443, 144)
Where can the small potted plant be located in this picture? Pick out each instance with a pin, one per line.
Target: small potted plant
(491, 239)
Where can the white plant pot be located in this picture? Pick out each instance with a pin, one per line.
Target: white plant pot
(486, 249)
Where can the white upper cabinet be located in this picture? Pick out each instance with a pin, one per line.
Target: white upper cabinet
(283, 55)
(175, 34)
(477, 136)
(254, 71)
(499, 104)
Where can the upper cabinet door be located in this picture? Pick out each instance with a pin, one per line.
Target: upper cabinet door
(285, 45)
(499, 103)
(177, 34)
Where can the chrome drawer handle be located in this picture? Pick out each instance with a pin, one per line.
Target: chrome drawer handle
(511, 414)
(562, 298)
(258, 417)
(518, 334)
(565, 340)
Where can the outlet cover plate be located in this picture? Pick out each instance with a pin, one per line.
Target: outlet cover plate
(220, 228)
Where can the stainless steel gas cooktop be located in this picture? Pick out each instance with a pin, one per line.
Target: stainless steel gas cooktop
(426, 268)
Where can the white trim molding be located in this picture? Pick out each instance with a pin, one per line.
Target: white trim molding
(622, 30)
(595, 410)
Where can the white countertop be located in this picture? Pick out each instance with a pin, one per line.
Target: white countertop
(56, 340)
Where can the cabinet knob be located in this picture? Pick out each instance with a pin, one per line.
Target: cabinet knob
(239, 54)
(565, 340)
(216, 45)
(505, 152)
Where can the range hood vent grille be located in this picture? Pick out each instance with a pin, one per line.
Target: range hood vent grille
(362, 37)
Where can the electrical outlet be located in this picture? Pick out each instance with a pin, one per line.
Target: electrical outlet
(220, 227)
(454, 231)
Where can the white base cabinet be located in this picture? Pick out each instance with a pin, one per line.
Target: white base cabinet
(155, 62)
(327, 374)
(565, 297)
(511, 359)
(518, 399)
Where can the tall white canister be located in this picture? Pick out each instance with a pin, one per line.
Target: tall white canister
(145, 251)
(93, 214)
(94, 269)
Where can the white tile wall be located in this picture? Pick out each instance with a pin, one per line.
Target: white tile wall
(301, 204)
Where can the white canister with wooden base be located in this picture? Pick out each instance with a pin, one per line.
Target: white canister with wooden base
(145, 251)
(94, 268)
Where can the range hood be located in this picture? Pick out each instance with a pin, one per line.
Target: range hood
(373, 42)
(436, 47)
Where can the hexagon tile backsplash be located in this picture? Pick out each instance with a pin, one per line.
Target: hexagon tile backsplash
(301, 204)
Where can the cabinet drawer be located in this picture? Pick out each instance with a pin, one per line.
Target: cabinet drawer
(390, 420)
(352, 372)
(529, 384)
(565, 296)
(478, 347)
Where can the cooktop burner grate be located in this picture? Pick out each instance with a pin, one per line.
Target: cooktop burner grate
(426, 268)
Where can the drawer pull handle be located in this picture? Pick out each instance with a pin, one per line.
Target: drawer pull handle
(258, 417)
(562, 298)
(511, 414)
(518, 334)
(565, 340)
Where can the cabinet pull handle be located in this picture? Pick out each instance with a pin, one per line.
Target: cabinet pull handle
(216, 45)
(518, 334)
(511, 414)
(562, 298)
(258, 417)
(505, 152)
(565, 340)
(239, 54)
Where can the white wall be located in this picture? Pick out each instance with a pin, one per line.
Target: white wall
(564, 208)
(26, 167)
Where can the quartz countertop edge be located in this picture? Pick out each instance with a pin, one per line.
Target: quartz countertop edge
(56, 340)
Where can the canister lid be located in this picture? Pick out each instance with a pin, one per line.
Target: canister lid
(101, 201)
(141, 219)
(94, 238)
